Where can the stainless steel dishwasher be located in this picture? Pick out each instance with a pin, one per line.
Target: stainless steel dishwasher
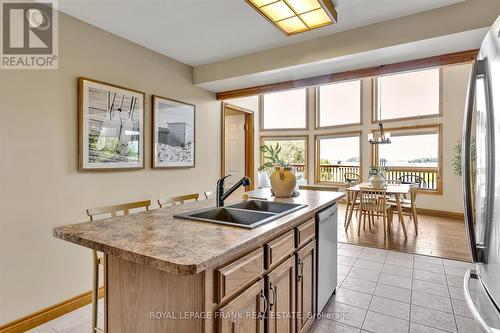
(326, 243)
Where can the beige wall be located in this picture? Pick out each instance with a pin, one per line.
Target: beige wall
(455, 80)
(39, 182)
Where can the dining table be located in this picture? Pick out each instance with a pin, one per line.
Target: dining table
(395, 190)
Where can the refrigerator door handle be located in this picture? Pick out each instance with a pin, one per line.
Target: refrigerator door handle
(466, 166)
(472, 307)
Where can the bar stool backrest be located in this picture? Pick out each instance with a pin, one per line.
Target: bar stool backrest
(114, 211)
(178, 200)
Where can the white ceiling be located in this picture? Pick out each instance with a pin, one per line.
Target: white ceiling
(198, 32)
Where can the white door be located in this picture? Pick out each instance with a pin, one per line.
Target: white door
(235, 148)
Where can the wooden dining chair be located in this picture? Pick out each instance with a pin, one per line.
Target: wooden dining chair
(373, 203)
(408, 206)
(97, 258)
(351, 177)
(350, 197)
(209, 194)
(178, 200)
(413, 179)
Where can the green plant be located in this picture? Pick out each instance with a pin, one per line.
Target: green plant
(377, 170)
(272, 157)
(292, 151)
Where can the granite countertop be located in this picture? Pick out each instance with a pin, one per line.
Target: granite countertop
(183, 246)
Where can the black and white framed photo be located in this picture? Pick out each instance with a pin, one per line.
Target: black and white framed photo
(111, 126)
(173, 133)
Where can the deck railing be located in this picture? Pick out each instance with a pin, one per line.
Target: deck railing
(430, 175)
(335, 173)
(299, 168)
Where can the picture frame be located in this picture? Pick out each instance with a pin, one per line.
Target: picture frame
(110, 126)
(173, 128)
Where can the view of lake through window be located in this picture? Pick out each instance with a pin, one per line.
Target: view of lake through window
(411, 150)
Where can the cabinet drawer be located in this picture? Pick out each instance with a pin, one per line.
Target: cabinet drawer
(306, 232)
(280, 248)
(238, 274)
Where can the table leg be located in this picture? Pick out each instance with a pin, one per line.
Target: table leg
(401, 218)
(348, 196)
(353, 203)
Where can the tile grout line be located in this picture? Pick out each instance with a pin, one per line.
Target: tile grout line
(411, 293)
(373, 294)
(449, 293)
(361, 328)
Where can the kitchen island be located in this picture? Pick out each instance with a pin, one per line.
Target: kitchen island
(167, 274)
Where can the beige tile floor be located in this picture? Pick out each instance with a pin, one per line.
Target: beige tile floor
(378, 291)
(385, 291)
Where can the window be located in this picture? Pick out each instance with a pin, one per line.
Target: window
(408, 95)
(293, 151)
(413, 156)
(285, 110)
(337, 155)
(339, 104)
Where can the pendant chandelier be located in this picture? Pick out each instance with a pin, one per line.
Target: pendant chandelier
(379, 137)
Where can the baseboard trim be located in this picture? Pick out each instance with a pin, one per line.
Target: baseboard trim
(52, 312)
(436, 213)
(440, 213)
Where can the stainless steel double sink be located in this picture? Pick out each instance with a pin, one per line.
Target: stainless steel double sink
(246, 214)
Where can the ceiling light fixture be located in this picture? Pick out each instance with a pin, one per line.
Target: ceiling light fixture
(379, 136)
(295, 16)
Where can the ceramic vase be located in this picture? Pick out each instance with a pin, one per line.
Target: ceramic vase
(283, 182)
(377, 180)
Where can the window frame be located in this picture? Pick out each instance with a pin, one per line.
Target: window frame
(317, 111)
(413, 129)
(317, 157)
(375, 102)
(306, 110)
(305, 138)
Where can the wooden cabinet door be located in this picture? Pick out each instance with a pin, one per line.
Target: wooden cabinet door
(281, 296)
(306, 286)
(245, 313)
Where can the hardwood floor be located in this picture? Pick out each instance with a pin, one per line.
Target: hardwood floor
(437, 236)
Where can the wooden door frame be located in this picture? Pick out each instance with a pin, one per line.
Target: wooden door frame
(249, 141)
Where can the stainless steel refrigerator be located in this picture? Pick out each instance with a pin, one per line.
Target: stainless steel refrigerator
(481, 183)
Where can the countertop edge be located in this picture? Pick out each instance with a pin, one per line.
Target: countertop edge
(189, 269)
(162, 265)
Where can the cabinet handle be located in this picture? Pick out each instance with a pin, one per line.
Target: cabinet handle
(301, 270)
(262, 314)
(273, 290)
